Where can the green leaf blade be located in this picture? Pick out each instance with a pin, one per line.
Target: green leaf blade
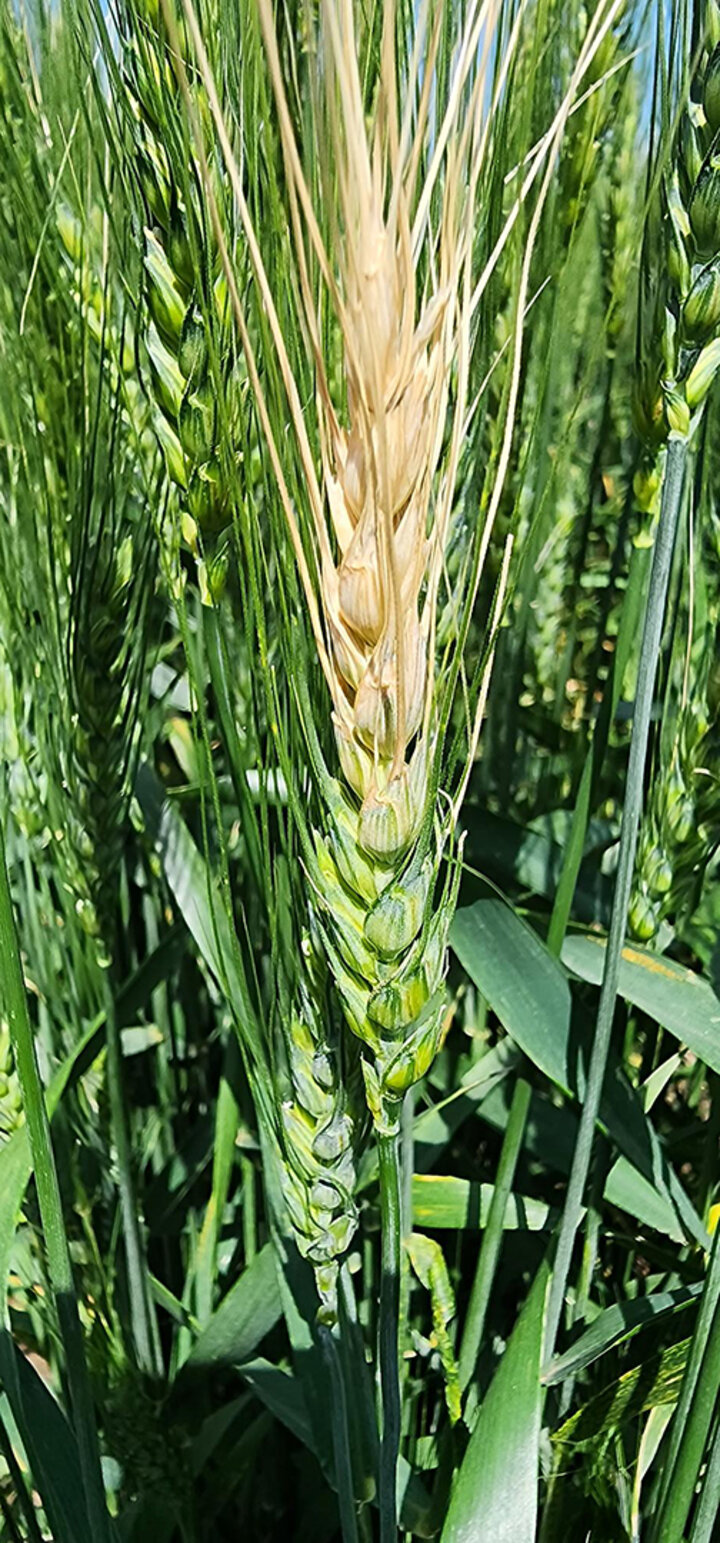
(495, 1499)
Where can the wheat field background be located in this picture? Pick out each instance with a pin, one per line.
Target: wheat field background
(359, 771)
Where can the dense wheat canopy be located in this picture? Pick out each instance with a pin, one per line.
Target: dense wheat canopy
(359, 771)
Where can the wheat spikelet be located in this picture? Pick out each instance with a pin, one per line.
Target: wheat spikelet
(379, 507)
(381, 532)
(381, 523)
(676, 370)
(681, 826)
(378, 480)
(679, 341)
(183, 300)
(318, 1132)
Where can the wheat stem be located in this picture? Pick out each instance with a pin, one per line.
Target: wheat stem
(673, 1518)
(341, 1438)
(390, 1212)
(51, 1213)
(141, 1310)
(493, 1235)
(652, 634)
(707, 1511)
(709, 1307)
